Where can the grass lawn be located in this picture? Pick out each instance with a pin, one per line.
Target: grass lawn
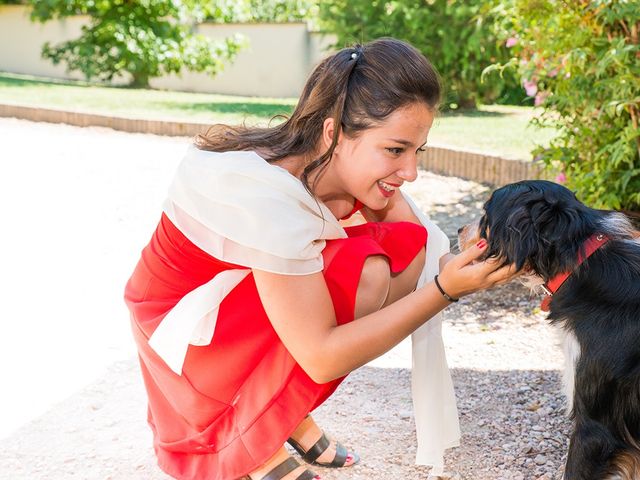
(502, 130)
(498, 130)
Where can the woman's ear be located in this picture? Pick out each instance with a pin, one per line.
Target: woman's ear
(328, 131)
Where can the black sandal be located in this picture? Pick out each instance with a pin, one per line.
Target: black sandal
(286, 467)
(311, 455)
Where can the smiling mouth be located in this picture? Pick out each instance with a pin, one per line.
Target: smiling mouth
(387, 189)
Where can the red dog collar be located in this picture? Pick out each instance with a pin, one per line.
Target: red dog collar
(593, 243)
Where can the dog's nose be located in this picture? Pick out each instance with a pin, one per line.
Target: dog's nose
(460, 230)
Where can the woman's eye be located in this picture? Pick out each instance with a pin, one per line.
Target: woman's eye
(395, 150)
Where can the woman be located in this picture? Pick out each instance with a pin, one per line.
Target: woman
(252, 302)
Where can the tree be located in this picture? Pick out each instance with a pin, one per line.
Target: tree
(456, 35)
(255, 11)
(586, 77)
(142, 39)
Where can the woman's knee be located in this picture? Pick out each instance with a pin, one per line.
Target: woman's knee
(373, 287)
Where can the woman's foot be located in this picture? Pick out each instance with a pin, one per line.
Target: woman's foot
(307, 434)
(283, 462)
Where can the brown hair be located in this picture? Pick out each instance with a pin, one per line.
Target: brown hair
(358, 87)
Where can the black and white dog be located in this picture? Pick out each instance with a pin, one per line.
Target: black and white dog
(588, 263)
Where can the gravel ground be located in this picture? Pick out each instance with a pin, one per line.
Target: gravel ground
(504, 357)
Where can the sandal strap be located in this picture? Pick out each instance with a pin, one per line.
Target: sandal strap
(341, 456)
(277, 473)
(307, 475)
(312, 455)
(318, 449)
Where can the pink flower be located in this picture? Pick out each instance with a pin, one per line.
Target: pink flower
(530, 87)
(553, 73)
(540, 98)
(561, 178)
(511, 42)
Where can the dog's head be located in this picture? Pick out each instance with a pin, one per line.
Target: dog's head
(539, 226)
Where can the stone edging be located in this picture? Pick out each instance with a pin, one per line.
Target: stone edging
(82, 119)
(478, 167)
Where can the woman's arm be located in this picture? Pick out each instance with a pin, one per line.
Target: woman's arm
(301, 312)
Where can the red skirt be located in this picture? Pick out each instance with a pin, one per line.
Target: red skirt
(239, 398)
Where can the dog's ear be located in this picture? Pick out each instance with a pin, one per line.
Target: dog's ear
(509, 228)
(525, 246)
(562, 224)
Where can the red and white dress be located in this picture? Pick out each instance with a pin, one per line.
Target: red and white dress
(224, 393)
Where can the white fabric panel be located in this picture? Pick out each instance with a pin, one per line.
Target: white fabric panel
(434, 401)
(220, 200)
(193, 320)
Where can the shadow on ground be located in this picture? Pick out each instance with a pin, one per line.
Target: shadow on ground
(101, 432)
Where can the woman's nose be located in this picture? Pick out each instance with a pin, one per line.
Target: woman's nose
(410, 171)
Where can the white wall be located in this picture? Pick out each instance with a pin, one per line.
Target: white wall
(276, 63)
(21, 41)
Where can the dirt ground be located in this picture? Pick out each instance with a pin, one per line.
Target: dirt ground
(81, 203)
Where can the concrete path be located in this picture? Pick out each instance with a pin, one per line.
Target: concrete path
(78, 205)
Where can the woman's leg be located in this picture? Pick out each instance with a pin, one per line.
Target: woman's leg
(374, 286)
(404, 282)
(308, 433)
(378, 287)
(277, 459)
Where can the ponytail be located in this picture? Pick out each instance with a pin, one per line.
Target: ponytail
(322, 161)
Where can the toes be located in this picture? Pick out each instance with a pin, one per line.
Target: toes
(352, 459)
(330, 454)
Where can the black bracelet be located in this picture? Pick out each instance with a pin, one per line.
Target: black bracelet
(444, 294)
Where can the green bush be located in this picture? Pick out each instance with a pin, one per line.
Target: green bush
(456, 35)
(254, 11)
(144, 39)
(580, 60)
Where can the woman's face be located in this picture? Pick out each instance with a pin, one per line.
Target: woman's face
(373, 165)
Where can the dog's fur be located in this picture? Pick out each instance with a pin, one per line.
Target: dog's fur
(541, 227)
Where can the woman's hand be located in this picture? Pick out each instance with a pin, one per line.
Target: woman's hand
(461, 276)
